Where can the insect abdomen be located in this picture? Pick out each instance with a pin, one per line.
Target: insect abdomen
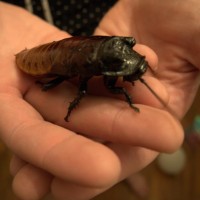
(65, 57)
(36, 61)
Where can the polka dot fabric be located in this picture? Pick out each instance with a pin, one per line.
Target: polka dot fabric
(78, 17)
(37, 8)
(18, 2)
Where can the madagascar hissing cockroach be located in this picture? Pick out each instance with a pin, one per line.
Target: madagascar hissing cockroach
(108, 56)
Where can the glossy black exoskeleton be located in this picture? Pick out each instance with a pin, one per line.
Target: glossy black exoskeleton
(108, 56)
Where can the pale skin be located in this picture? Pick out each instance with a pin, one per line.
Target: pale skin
(49, 156)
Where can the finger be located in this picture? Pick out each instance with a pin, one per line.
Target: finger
(63, 189)
(139, 92)
(121, 124)
(150, 92)
(42, 143)
(54, 148)
(139, 185)
(16, 164)
(27, 178)
(131, 162)
(151, 128)
(149, 54)
(31, 183)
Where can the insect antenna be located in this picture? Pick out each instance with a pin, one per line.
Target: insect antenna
(158, 97)
(153, 92)
(150, 89)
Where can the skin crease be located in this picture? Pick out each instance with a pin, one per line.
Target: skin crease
(49, 153)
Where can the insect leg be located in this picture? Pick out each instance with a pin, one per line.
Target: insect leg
(81, 93)
(110, 84)
(52, 83)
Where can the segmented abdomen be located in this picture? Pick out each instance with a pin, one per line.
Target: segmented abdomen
(67, 57)
(38, 60)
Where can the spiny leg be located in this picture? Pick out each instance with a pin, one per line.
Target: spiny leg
(52, 83)
(81, 93)
(110, 82)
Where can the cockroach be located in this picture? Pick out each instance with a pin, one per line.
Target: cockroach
(108, 56)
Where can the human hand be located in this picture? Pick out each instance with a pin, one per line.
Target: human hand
(49, 156)
(171, 29)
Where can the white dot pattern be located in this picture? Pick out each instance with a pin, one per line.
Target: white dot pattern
(78, 17)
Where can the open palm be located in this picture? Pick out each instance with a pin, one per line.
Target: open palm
(171, 29)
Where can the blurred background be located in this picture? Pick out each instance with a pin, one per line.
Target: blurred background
(170, 177)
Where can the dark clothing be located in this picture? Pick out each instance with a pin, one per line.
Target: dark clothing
(77, 17)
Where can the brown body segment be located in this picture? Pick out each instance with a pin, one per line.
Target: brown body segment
(36, 61)
(68, 57)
